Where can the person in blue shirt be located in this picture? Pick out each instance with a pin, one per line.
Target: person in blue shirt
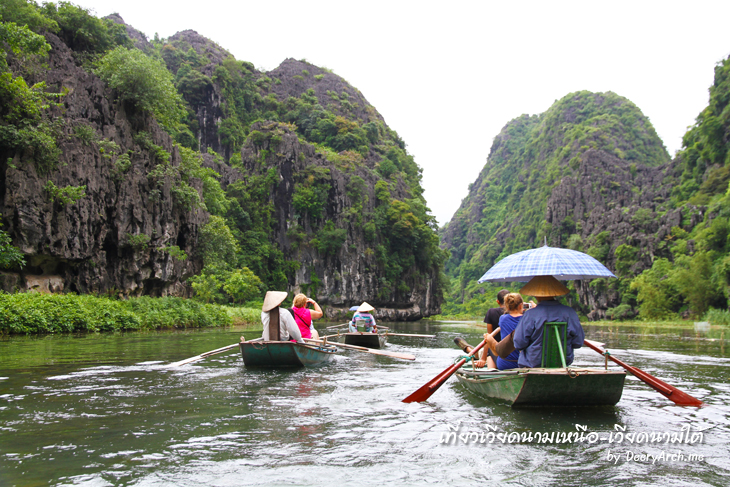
(508, 322)
(527, 336)
(362, 317)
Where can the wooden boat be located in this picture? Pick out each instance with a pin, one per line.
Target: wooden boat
(285, 354)
(365, 339)
(546, 387)
(553, 384)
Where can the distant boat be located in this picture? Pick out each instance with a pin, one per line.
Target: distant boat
(369, 340)
(546, 386)
(285, 354)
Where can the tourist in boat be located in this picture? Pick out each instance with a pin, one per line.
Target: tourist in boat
(493, 314)
(288, 329)
(487, 356)
(305, 317)
(527, 337)
(362, 317)
(508, 322)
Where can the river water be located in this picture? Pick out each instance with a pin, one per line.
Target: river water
(102, 410)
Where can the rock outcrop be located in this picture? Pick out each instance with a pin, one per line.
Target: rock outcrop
(119, 237)
(351, 273)
(113, 239)
(589, 174)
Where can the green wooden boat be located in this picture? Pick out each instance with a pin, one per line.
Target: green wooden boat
(553, 384)
(546, 386)
(285, 354)
(364, 339)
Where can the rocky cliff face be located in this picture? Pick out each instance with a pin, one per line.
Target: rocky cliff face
(111, 240)
(351, 272)
(572, 177)
(337, 217)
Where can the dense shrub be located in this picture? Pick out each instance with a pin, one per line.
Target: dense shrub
(82, 31)
(10, 256)
(55, 313)
(145, 82)
(171, 312)
(66, 313)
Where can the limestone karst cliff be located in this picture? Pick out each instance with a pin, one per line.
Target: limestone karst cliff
(589, 174)
(318, 192)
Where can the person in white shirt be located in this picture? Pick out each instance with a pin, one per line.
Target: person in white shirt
(271, 313)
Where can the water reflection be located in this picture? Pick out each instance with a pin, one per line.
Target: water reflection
(105, 409)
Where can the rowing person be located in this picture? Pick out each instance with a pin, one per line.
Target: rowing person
(271, 312)
(362, 317)
(527, 337)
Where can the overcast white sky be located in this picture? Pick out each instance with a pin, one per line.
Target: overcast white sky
(447, 76)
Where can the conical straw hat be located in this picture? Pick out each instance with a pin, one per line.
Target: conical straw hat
(273, 299)
(544, 287)
(365, 307)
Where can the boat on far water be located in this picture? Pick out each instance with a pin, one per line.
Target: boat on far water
(365, 339)
(544, 387)
(285, 354)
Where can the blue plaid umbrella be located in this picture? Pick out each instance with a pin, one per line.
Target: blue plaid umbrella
(562, 264)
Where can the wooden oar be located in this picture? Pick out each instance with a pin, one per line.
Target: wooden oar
(404, 356)
(347, 324)
(208, 354)
(670, 392)
(430, 387)
(408, 335)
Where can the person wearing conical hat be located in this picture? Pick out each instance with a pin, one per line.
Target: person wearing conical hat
(362, 317)
(527, 337)
(270, 311)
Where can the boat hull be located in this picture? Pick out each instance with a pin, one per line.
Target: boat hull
(547, 387)
(368, 340)
(284, 354)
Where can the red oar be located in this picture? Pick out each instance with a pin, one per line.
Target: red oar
(670, 392)
(430, 387)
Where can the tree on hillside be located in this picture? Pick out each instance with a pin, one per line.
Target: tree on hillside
(144, 82)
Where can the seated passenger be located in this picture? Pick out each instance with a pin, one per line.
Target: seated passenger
(304, 317)
(362, 317)
(508, 322)
(288, 329)
(488, 357)
(527, 337)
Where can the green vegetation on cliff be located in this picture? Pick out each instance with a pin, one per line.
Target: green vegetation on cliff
(505, 211)
(356, 196)
(350, 136)
(590, 174)
(694, 274)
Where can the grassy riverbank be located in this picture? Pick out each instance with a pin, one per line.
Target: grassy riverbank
(713, 317)
(32, 313)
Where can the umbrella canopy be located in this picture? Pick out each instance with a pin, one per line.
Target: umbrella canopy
(563, 264)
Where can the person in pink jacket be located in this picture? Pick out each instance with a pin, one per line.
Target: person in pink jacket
(305, 317)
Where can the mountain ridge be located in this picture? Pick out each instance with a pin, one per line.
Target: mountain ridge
(289, 178)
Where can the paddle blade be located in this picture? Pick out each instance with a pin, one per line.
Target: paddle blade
(432, 386)
(678, 397)
(403, 356)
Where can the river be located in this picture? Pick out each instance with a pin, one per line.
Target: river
(100, 410)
